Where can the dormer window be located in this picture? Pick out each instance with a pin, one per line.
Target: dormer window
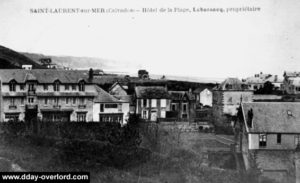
(12, 86)
(56, 86)
(228, 86)
(81, 86)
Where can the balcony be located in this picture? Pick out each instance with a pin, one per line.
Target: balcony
(56, 106)
(31, 106)
(81, 106)
(12, 107)
(31, 92)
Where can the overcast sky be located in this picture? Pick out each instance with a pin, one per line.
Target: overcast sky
(195, 44)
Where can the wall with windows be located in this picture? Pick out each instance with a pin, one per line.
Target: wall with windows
(273, 141)
(110, 108)
(13, 106)
(148, 107)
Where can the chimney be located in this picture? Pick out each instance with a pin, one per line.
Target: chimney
(250, 118)
(91, 74)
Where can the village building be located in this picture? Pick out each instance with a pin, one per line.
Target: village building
(182, 105)
(258, 80)
(49, 95)
(121, 92)
(269, 136)
(152, 102)
(227, 98)
(108, 108)
(203, 96)
(291, 83)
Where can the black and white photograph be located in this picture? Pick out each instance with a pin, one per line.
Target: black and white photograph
(150, 91)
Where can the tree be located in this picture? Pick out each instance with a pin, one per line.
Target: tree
(268, 88)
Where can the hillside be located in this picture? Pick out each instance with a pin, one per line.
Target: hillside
(82, 62)
(10, 59)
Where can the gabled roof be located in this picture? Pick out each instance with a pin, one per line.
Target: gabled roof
(151, 92)
(43, 75)
(104, 97)
(235, 84)
(179, 95)
(272, 117)
(117, 83)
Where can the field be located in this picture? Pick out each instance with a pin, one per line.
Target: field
(175, 157)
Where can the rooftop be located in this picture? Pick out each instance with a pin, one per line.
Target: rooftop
(272, 117)
(232, 84)
(151, 92)
(42, 75)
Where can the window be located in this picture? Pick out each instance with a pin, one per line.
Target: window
(184, 116)
(67, 87)
(153, 103)
(163, 103)
(111, 105)
(228, 87)
(144, 116)
(56, 86)
(31, 87)
(73, 87)
(173, 107)
(81, 101)
(81, 117)
(230, 100)
(144, 102)
(67, 100)
(30, 100)
(22, 101)
(262, 140)
(81, 86)
(279, 138)
(297, 140)
(45, 87)
(22, 87)
(74, 100)
(12, 86)
(101, 107)
(56, 101)
(46, 101)
(12, 101)
(184, 107)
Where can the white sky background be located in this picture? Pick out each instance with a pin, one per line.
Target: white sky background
(202, 45)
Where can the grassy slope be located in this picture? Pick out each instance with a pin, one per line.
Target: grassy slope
(12, 59)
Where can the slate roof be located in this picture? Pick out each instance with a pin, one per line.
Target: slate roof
(43, 75)
(104, 97)
(151, 92)
(179, 95)
(234, 82)
(273, 117)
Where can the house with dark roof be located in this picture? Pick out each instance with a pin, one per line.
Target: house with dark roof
(108, 108)
(269, 136)
(48, 95)
(227, 97)
(152, 102)
(182, 106)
